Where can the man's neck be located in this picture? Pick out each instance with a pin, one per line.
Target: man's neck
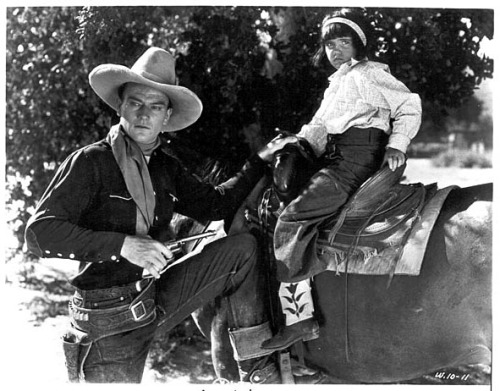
(148, 148)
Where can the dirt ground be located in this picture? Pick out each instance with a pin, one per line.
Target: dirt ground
(35, 305)
(422, 170)
(37, 314)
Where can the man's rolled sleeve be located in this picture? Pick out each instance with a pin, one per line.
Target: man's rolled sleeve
(202, 201)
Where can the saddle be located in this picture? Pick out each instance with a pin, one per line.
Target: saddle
(369, 234)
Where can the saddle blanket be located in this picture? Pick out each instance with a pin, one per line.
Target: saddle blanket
(404, 259)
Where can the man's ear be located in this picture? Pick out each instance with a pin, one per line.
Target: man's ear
(167, 117)
(119, 107)
(169, 113)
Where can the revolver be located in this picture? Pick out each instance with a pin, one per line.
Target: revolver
(176, 245)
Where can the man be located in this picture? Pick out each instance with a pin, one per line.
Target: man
(109, 206)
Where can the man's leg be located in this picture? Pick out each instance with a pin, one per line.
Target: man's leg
(109, 338)
(228, 268)
(119, 358)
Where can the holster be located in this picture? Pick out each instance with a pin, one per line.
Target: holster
(90, 325)
(76, 346)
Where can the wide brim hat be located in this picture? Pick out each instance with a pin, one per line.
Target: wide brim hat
(156, 69)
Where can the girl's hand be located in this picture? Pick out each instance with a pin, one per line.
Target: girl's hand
(394, 158)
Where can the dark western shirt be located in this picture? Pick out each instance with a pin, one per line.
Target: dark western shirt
(86, 212)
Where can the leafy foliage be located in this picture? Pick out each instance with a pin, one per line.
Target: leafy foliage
(221, 54)
(463, 159)
(435, 52)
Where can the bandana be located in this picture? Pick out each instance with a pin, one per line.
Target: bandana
(135, 171)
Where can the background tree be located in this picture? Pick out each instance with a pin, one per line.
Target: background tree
(221, 55)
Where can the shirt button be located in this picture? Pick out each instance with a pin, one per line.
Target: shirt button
(72, 256)
(59, 254)
(114, 258)
(47, 252)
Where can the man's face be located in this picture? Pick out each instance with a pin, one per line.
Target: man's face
(144, 111)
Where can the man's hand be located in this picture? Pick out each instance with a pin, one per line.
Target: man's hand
(147, 253)
(394, 158)
(277, 143)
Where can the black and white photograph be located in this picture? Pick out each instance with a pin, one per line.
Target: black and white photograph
(225, 196)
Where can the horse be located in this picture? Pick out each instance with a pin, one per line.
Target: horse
(376, 330)
(418, 324)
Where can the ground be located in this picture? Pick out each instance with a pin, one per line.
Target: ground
(35, 304)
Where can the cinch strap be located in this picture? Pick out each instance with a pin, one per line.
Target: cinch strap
(351, 24)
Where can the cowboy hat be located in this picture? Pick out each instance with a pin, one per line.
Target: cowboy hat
(156, 69)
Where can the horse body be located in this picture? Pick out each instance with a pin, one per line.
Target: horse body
(376, 329)
(373, 330)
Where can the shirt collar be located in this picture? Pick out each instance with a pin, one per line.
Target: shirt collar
(345, 67)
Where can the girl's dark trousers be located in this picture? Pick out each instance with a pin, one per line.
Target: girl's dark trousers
(350, 159)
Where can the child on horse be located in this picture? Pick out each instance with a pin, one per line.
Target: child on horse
(366, 119)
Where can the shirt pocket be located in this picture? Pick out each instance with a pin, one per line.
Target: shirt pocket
(120, 208)
(123, 197)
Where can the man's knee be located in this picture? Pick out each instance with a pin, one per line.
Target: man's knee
(245, 244)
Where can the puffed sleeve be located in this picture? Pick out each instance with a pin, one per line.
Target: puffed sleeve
(405, 108)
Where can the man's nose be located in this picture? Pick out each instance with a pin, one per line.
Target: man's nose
(144, 112)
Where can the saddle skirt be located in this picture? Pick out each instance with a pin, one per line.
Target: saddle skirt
(383, 229)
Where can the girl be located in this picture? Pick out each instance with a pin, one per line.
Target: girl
(367, 119)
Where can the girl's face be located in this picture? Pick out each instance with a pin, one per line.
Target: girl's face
(339, 50)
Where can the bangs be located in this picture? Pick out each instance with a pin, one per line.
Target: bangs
(337, 30)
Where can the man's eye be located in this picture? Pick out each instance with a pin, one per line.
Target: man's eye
(158, 107)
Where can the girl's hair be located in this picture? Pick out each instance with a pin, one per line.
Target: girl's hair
(338, 30)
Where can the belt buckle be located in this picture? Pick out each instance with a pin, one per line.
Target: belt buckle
(138, 311)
